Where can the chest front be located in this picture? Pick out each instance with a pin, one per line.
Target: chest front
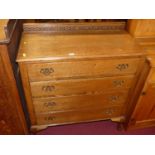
(80, 78)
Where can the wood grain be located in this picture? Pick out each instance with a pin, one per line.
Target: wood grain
(59, 47)
(142, 27)
(143, 114)
(3, 24)
(27, 91)
(11, 109)
(142, 124)
(80, 102)
(69, 78)
(81, 68)
(152, 78)
(78, 116)
(80, 86)
(80, 27)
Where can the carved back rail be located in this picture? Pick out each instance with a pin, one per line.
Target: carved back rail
(76, 26)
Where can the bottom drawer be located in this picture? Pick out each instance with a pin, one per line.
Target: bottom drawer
(78, 116)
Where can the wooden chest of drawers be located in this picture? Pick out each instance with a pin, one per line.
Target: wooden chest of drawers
(78, 78)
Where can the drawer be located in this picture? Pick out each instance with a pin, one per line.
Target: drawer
(84, 86)
(60, 70)
(78, 116)
(80, 102)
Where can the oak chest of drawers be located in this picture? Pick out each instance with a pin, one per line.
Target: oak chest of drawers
(78, 78)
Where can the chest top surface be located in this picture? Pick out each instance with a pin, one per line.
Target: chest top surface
(36, 47)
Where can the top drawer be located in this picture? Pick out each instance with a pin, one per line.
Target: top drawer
(82, 68)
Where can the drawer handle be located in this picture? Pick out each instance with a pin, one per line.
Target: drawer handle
(118, 83)
(50, 118)
(46, 71)
(122, 66)
(109, 111)
(113, 98)
(49, 104)
(48, 88)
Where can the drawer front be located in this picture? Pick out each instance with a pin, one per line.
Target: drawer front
(80, 102)
(85, 86)
(78, 116)
(60, 70)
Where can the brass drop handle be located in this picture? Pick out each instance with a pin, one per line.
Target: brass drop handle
(50, 118)
(109, 111)
(118, 83)
(46, 71)
(49, 104)
(113, 98)
(48, 88)
(122, 66)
